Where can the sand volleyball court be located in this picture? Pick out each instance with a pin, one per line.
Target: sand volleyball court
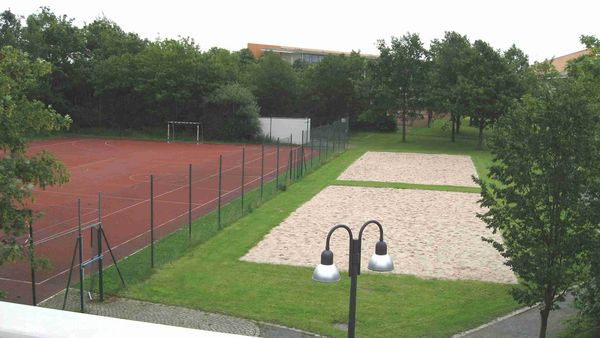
(433, 234)
(435, 169)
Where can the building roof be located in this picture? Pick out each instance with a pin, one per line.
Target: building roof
(258, 50)
(560, 63)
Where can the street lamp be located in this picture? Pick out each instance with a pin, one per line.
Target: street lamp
(328, 272)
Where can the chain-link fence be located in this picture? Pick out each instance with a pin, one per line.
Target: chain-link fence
(155, 220)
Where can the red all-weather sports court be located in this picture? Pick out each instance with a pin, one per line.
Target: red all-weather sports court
(120, 170)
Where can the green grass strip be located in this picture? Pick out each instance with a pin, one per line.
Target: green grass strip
(398, 185)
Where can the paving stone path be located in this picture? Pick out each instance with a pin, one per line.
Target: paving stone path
(173, 315)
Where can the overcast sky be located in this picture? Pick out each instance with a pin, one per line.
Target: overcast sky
(542, 29)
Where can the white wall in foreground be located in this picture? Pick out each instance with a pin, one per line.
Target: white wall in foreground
(20, 321)
(283, 127)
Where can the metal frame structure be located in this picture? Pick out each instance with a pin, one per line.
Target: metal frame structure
(171, 130)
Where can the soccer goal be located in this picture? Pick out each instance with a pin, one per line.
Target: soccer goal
(184, 126)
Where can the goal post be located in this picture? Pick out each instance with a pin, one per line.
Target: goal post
(171, 130)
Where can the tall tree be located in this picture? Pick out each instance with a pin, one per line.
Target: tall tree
(449, 88)
(275, 86)
(546, 165)
(330, 86)
(10, 29)
(20, 117)
(403, 71)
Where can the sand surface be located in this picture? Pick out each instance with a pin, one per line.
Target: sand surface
(429, 233)
(435, 169)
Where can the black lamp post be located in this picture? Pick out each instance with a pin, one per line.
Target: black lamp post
(328, 272)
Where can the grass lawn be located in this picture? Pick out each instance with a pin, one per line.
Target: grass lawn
(210, 277)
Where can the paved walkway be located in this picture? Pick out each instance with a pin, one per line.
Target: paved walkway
(176, 316)
(525, 324)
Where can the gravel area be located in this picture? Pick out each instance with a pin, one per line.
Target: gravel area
(435, 169)
(432, 234)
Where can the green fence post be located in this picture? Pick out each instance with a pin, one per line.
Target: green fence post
(219, 188)
(312, 148)
(152, 221)
(243, 170)
(80, 244)
(302, 155)
(262, 169)
(277, 167)
(32, 264)
(190, 202)
(327, 147)
(99, 239)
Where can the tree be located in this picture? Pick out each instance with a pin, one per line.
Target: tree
(449, 89)
(491, 85)
(236, 108)
(275, 86)
(586, 71)
(21, 117)
(10, 29)
(330, 88)
(546, 154)
(403, 71)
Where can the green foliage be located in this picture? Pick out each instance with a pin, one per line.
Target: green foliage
(402, 69)
(275, 85)
(21, 117)
(236, 107)
(546, 164)
(330, 92)
(10, 29)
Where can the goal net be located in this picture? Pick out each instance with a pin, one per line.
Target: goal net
(185, 130)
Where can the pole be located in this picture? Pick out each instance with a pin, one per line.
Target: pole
(197, 133)
(80, 244)
(262, 169)
(152, 221)
(312, 147)
(352, 314)
(32, 262)
(277, 167)
(320, 150)
(99, 239)
(168, 132)
(243, 172)
(219, 188)
(302, 154)
(190, 203)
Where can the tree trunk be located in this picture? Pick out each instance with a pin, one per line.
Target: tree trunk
(481, 126)
(429, 118)
(458, 124)
(453, 126)
(403, 126)
(544, 325)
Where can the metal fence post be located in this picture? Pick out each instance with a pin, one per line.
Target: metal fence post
(32, 262)
(80, 244)
(152, 221)
(277, 167)
(302, 155)
(262, 168)
(243, 172)
(190, 202)
(312, 148)
(99, 239)
(219, 199)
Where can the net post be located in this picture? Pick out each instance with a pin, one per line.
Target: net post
(219, 188)
(262, 169)
(32, 264)
(197, 133)
(243, 173)
(79, 243)
(168, 132)
(152, 221)
(99, 239)
(277, 167)
(190, 202)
